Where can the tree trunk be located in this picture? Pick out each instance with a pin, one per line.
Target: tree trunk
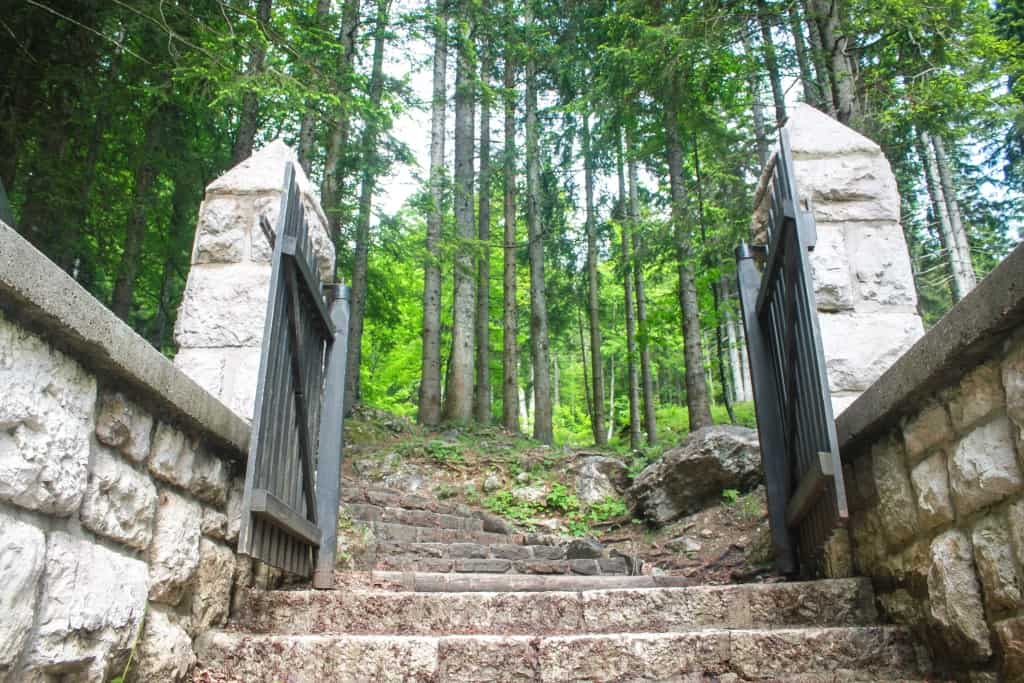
(360, 266)
(510, 318)
(331, 190)
(757, 108)
(771, 63)
(307, 128)
(627, 290)
(458, 398)
(811, 92)
(646, 376)
(611, 399)
(482, 401)
(430, 381)
(958, 281)
(593, 303)
(697, 399)
(586, 376)
(818, 58)
(556, 385)
(826, 14)
(248, 117)
(720, 353)
(956, 224)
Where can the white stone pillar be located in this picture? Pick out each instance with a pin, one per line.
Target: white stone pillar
(219, 330)
(863, 282)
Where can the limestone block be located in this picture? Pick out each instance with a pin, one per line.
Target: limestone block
(993, 555)
(1015, 523)
(212, 596)
(830, 266)
(91, 608)
(122, 424)
(174, 554)
(323, 248)
(955, 596)
(903, 608)
(204, 366)
(214, 524)
(984, 467)
(235, 494)
(1013, 383)
(120, 502)
(931, 484)
(859, 347)
(241, 379)
(46, 418)
(880, 264)
(223, 306)
(814, 134)
(1010, 634)
(868, 542)
(209, 477)
(173, 456)
(929, 428)
(222, 231)
(896, 507)
(850, 187)
(979, 395)
(165, 649)
(22, 558)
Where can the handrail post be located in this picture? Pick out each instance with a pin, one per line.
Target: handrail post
(331, 441)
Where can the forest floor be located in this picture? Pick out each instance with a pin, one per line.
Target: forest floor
(533, 487)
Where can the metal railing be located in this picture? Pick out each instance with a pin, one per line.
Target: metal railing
(292, 485)
(799, 448)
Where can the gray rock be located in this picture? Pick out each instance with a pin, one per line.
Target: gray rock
(584, 549)
(896, 507)
(122, 424)
(599, 477)
(994, 557)
(173, 456)
(120, 502)
(955, 597)
(536, 494)
(174, 554)
(492, 482)
(209, 477)
(212, 596)
(984, 467)
(165, 649)
(690, 477)
(22, 554)
(931, 482)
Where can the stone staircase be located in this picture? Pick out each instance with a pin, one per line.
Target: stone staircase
(445, 615)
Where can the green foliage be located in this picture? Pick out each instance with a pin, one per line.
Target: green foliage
(561, 500)
(730, 496)
(506, 503)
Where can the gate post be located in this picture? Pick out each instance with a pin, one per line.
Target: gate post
(332, 429)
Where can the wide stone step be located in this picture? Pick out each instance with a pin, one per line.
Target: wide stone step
(407, 533)
(802, 655)
(844, 602)
(499, 565)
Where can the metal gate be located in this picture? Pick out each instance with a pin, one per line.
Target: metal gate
(799, 448)
(293, 458)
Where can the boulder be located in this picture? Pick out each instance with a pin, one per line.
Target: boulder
(693, 476)
(599, 477)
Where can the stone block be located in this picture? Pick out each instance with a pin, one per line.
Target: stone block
(91, 608)
(993, 556)
(984, 467)
(174, 554)
(852, 187)
(323, 248)
(122, 424)
(926, 430)
(859, 347)
(212, 597)
(896, 507)
(241, 378)
(868, 542)
(980, 395)
(235, 493)
(830, 266)
(1015, 523)
(880, 264)
(1010, 635)
(223, 306)
(214, 524)
(172, 456)
(1013, 383)
(222, 232)
(22, 558)
(165, 649)
(204, 366)
(955, 597)
(46, 420)
(120, 501)
(814, 134)
(931, 484)
(209, 477)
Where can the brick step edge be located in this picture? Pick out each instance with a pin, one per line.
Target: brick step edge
(585, 567)
(805, 655)
(843, 603)
(466, 551)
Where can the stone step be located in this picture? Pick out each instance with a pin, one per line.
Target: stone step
(364, 512)
(431, 582)
(501, 551)
(498, 565)
(841, 602)
(406, 533)
(800, 655)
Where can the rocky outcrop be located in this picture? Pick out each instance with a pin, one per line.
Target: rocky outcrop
(599, 477)
(687, 478)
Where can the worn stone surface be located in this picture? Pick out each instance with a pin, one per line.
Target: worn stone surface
(165, 649)
(122, 424)
(993, 556)
(931, 484)
(209, 477)
(881, 264)
(174, 554)
(211, 599)
(1015, 525)
(927, 429)
(896, 507)
(22, 558)
(980, 394)
(686, 478)
(984, 466)
(599, 477)
(120, 501)
(1010, 635)
(903, 608)
(859, 347)
(223, 306)
(646, 657)
(214, 524)
(1013, 383)
(497, 659)
(91, 607)
(830, 267)
(46, 419)
(955, 597)
(222, 232)
(173, 456)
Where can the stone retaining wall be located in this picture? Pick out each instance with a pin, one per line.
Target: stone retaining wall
(120, 486)
(934, 464)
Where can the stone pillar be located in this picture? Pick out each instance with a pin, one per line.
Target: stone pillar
(863, 282)
(219, 329)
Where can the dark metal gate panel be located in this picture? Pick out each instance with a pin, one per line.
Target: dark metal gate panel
(279, 509)
(799, 448)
